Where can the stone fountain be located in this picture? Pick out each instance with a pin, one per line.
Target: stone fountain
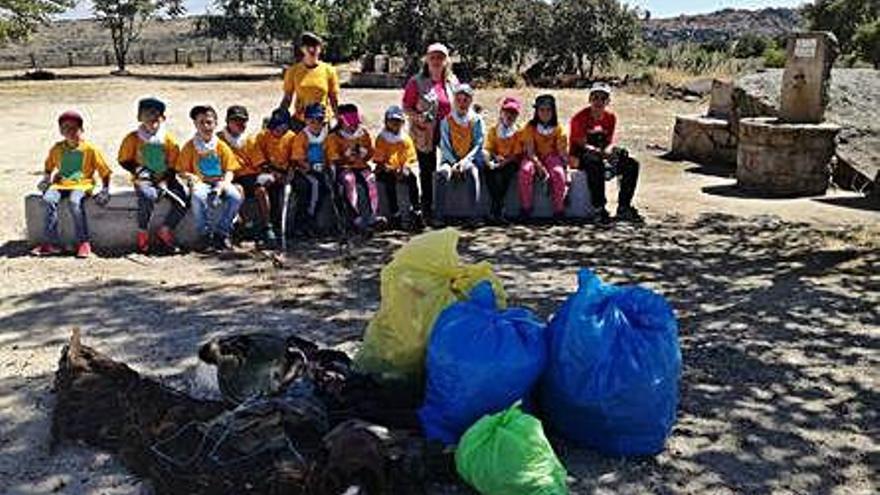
(790, 155)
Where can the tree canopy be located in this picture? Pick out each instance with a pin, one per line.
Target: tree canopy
(18, 18)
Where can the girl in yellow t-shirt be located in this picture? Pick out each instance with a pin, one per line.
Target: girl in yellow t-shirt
(349, 150)
(546, 155)
(397, 162)
(69, 172)
(310, 81)
(504, 146)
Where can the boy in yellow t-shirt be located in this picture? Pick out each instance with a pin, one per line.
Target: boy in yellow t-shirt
(396, 162)
(311, 179)
(504, 146)
(310, 81)
(149, 153)
(69, 171)
(276, 144)
(209, 165)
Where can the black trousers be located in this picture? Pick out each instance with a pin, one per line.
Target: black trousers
(427, 167)
(312, 189)
(389, 180)
(620, 164)
(498, 181)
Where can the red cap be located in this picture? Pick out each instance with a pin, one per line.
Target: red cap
(71, 115)
(512, 104)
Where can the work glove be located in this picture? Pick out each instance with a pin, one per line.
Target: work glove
(265, 179)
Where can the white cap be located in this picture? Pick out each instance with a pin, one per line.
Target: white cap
(601, 88)
(437, 48)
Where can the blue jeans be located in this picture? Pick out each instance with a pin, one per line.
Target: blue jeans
(148, 194)
(75, 198)
(210, 220)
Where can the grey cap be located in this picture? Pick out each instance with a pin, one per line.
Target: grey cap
(394, 112)
(601, 88)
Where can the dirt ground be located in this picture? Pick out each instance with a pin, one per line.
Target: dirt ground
(777, 300)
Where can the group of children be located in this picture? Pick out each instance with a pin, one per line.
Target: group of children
(216, 171)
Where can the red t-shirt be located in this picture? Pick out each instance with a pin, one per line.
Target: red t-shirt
(411, 97)
(583, 122)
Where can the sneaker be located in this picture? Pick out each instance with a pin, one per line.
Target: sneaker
(223, 243)
(629, 214)
(206, 243)
(166, 237)
(46, 249)
(525, 216)
(268, 239)
(559, 218)
(84, 250)
(379, 222)
(143, 241)
(602, 217)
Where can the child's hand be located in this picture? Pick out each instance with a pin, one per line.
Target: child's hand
(44, 183)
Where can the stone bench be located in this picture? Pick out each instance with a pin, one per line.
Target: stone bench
(113, 227)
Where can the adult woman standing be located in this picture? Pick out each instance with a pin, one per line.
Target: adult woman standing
(310, 81)
(427, 99)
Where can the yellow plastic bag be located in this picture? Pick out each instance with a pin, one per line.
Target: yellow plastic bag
(425, 276)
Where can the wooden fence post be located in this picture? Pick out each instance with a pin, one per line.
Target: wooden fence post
(241, 54)
(33, 61)
(142, 56)
(208, 56)
(106, 57)
(70, 59)
(176, 56)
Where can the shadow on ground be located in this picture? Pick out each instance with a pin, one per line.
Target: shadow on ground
(778, 330)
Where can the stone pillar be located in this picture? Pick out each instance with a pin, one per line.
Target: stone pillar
(380, 64)
(806, 78)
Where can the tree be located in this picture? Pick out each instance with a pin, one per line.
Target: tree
(18, 18)
(588, 33)
(265, 20)
(751, 45)
(842, 17)
(867, 42)
(126, 20)
(351, 22)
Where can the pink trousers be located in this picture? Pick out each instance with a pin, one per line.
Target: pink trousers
(349, 180)
(555, 165)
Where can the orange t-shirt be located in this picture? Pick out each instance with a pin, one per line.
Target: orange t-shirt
(250, 157)
(544, 145)
(276, 150)
(338, 144)
(210, 165)
(395, 154)
(504, 147)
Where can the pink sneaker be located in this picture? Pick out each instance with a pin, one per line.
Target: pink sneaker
(84, 250)
(46, 249)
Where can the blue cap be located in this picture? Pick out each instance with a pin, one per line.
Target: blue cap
(151, 104)
(315, 111)
(280, 116)
(394, 112)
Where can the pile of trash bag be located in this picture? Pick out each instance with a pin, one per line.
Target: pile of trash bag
(481, 359)
(424, 277)
(611, 382)
(433, 395)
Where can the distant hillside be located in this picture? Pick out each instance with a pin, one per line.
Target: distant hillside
(723, 25)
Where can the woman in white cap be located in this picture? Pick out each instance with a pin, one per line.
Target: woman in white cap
(310, 81)
(427, 100)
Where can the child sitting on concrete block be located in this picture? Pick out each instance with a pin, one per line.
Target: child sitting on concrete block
(276, 145)
(461, 149)
(396, 162)
(150, 154)
(311, 180)
(546, 156)
(504, 147)
(69, 172)
(349, 149)
(208, 165)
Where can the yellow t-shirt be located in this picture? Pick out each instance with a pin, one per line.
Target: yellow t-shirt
(148, 155)
(250, 157)
(544, 145)
(209, 166)
(76, 166)
(277, 150)
(395, 155)
(503, 147)
(461, 137)
(337, 144)
(311, 85)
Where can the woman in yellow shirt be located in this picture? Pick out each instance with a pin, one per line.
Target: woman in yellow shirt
(546, 155)
(69, 172)
(396, 162)
(310, 81)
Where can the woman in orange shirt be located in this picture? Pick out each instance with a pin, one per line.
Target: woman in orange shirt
(546, 149)
(310, 81)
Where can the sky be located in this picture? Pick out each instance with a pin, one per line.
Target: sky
(658, 8)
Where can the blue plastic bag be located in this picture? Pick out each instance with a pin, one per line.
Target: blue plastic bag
(480, 360)
(611, 382)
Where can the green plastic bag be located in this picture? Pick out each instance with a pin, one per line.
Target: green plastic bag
(508, 454)
(425, 276)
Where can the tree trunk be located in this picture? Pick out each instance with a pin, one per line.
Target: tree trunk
(592, 69)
